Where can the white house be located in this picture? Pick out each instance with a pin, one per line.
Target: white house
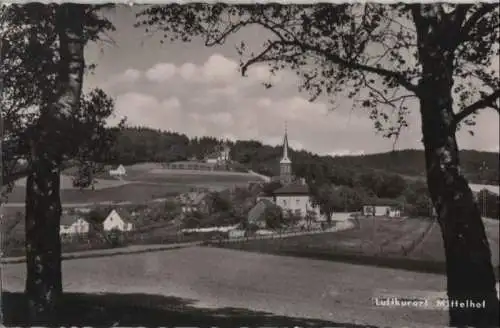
(477, 188)
(115, 221)
(296, 198)
(220, 157)
(119, 172)
(212, 159)
(381, 210)
(73, 225)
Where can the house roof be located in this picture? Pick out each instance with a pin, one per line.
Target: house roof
(124, 214)
(293, 189)
(383, 202)
(193, 197)
(479, 187)
(257, 212)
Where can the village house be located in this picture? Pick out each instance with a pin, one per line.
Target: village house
(117, 220)
(73, 225)
(192, 201)
(296, 198)
(219, 157)
(119, 172)
(381, 210)
(256, 216)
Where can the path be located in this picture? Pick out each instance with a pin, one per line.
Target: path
(263, 177)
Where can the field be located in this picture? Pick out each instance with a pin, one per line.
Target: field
(205, 286)
(67, 183)
(128, 192)
(143, 182)
(413, 244)
(432, 249)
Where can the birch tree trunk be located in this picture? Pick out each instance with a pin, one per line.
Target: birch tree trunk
(49, 143)
(470, 275)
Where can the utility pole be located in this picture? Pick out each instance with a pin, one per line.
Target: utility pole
(484, 191)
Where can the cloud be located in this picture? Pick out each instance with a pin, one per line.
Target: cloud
(145, 110)
(188, 71)
(129, 76)
(161, 72)
(211, 98)
(217, 69)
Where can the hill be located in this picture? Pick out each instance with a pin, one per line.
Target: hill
(411, 163)
(139, 145)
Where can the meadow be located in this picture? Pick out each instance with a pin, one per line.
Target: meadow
(128, 192)
(432, 248)
(143, 182)
(192, 177)
(413, 244)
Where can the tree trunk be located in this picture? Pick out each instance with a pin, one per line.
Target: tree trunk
(470, 275)
(43, 246)
(50, 143)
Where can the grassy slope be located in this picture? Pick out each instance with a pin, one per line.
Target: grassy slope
(147, 181)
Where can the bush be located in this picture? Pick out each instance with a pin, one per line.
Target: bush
(115, 238)
(273, 217)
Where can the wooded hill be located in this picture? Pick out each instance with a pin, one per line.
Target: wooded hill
(139, 144)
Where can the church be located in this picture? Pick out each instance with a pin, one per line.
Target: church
(294, 195)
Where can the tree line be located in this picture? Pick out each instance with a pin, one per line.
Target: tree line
(142, 144)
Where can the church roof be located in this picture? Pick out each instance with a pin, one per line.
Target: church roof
(285, 159)
(293, 189)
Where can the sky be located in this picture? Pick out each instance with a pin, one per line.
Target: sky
(198, 91)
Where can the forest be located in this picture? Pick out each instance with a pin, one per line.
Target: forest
(141, 144)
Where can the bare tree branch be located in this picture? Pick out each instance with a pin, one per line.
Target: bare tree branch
(488, 101)
(474, 19)
(331, 56)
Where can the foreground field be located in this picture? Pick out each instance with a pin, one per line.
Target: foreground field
(412, 244)
(200, 286)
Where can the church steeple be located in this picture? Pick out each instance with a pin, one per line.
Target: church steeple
(285, 159)
(285, 163)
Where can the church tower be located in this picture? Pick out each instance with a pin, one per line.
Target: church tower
(285, 163)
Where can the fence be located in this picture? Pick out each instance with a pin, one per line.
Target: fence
(290, 233)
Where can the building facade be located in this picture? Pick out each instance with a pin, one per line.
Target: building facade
(296, 199)
(118, 172)
(381, 210)
(73, 225)
(115, 221)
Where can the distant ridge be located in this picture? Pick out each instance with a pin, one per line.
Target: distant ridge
(140, 144)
